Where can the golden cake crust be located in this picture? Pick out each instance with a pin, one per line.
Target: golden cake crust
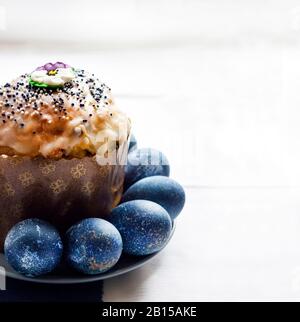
(75, 120)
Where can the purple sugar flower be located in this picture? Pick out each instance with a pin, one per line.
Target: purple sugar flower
(52, 75)
(49, 66)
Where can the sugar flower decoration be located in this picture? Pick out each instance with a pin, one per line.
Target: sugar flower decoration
(52, 75)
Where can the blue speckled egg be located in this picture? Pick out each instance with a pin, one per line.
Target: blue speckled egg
(145, 226)
(33, 247)
(93, 246)
(162, 190)
(132, 143)
(144, 163)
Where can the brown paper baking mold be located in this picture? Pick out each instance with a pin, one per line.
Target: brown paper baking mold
(58, 191)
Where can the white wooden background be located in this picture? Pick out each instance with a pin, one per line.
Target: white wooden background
(215, 85)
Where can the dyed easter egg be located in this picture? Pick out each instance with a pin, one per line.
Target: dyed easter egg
(93, 246)
(33, 247)
(132, 143)
(145, 226)
(162, 190)
(144, 163)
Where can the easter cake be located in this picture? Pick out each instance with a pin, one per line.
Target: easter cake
(63, 143)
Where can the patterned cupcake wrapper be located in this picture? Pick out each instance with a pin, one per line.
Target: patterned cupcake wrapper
(58, 191)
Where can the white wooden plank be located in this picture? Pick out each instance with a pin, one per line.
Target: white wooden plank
(229, 244)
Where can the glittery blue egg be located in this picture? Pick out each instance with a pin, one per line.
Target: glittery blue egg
(33, 247)
(145, 226)
(144, 163)
(132, 143)
(93, 246)
(162, 190)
